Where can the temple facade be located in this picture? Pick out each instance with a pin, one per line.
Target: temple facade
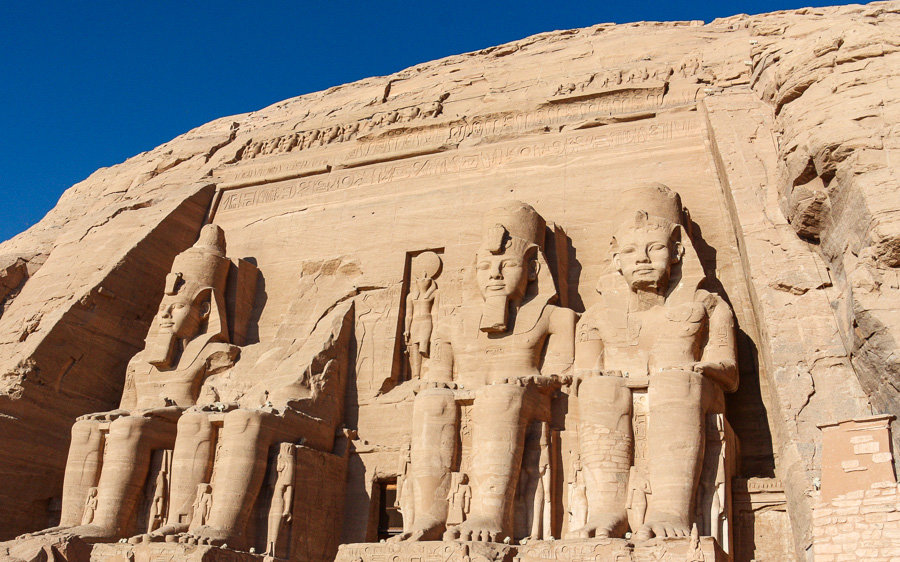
(622, 293)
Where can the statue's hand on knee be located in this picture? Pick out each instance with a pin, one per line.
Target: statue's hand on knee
(104, 416)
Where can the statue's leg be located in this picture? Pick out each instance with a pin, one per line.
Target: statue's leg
(498, 440)
(607, 448)
(434, 431)
(126, 463)
(82, 470)
(245, 440)
(415, 361)
(191, 466)
(675, 439)
(536, 510)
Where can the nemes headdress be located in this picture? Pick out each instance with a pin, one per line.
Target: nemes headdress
(654, 205)
(651, 205)
(202, 266)
(513, 223)
(517, 226)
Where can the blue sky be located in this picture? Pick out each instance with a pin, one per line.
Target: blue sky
(88, 84)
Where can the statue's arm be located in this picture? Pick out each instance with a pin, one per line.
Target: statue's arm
(407, 322)
(720, 355)
(588, 347)
(561, 343)
(288, 501)
(129, 393)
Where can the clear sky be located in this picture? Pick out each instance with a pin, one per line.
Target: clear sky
(89, 84)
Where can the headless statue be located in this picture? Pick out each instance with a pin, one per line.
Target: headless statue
(655, 328)
(504, 345)
(187, 342)
(302, 401)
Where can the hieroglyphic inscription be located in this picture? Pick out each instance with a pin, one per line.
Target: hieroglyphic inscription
(411, 142)
(576, 550)
(390, 552)
(250, 174)
(312, 138)
(519, 122)
(591, 139)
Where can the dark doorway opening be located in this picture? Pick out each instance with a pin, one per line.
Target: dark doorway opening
(390, 521)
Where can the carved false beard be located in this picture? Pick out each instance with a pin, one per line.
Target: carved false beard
(657, 286)
(494, 314)
(160, 350)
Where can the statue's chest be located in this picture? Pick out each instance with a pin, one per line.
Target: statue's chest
(644, 329)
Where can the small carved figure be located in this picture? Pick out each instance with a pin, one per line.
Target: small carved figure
(459, 499)
(577, 496)
(90, 506)
(419, 304)
(282, 501)
(160, 497)
(202, 506)
(534, 486)
(404, 498)
(541, 514)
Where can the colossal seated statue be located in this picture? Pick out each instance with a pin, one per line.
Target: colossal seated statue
(210, 458)
(302, 402)
(654, 331)
(505, 350)
(187, 342)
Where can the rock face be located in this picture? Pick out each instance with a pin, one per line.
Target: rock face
(598, 292)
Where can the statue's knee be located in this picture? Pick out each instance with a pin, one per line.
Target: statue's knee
(84, 431)
(435, 402)
(602, 386)
(500, 400)
(681, 386)
(243, 421)
(126, 428)
(194, 423)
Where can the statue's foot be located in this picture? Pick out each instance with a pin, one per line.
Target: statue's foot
(91, 532)
(206, 535)
(138, 539)
(483, 530)
(429, 533)
(161, 533)
(423, 529)
(50, 531)
(663, 525)
(602, 525)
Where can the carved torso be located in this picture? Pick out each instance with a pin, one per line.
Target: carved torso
(481, 358)
(641, 342)
(153, 388)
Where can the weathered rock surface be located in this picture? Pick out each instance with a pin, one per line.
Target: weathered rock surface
(780, 131)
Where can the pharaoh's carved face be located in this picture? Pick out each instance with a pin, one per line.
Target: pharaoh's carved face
(644, 257)
(506, 274)
(180, 316)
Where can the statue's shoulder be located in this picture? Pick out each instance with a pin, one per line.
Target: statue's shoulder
(561, 315)
(710, 301)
